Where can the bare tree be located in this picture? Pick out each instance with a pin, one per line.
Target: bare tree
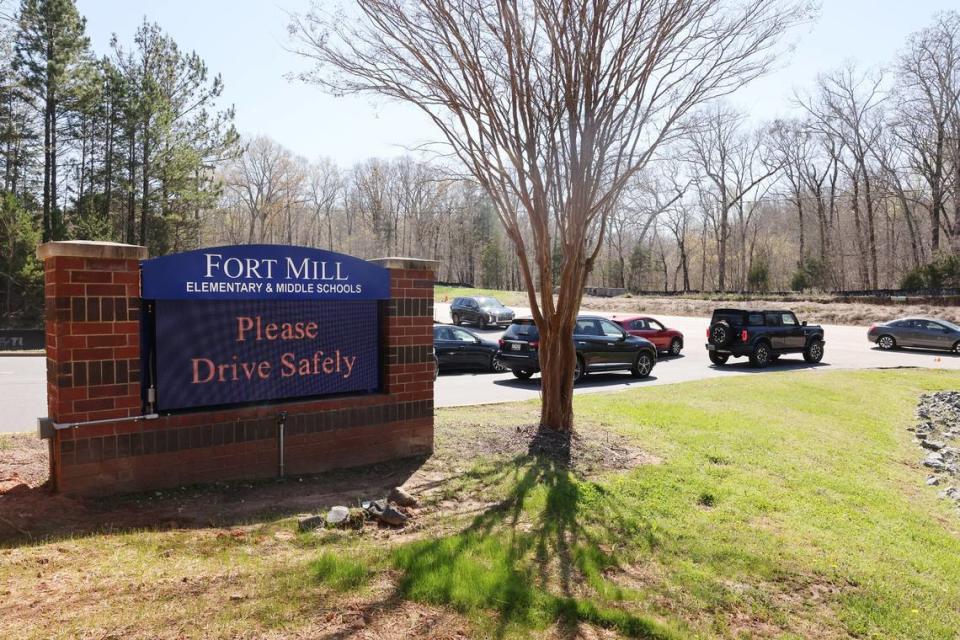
(729, 160)
(928, 104)
(847, 105)
(552, 105)
(264, 181)
(324, 190)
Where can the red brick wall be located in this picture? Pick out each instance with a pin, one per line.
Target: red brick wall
(94, 373)
(93, 337)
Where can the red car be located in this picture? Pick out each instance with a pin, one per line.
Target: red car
(668, 340)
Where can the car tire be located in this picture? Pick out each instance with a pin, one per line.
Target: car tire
(496, 365)
(721, 333)
(455, 318)
(956, 347)
(814, 351)
(760, 356)
(719, 359)
(642, 366)
(676, 346)
(522, 374)
(774, 357)
(887, 342)
(579, 371)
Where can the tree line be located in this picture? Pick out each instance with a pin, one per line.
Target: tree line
(859, 190)
(119, 147)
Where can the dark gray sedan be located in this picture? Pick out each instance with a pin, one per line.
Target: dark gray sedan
(924, 333)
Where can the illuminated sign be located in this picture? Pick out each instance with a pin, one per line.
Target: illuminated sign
(256, 323)
(263, 272)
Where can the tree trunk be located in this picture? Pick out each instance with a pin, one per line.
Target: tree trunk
(47, 222)
(55, 223)
(871, 228)
(131, 187)
(145, 197)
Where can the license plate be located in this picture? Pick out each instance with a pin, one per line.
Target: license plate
(711, 347)
(515, 347)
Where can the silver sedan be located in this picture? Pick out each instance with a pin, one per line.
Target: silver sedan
(924, 333)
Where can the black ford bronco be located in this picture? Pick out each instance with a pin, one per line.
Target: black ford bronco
(762, 335)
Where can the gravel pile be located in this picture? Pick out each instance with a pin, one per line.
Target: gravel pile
(938, 432)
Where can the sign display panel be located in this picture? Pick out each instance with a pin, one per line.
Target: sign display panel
(213, 352)
(250, 323)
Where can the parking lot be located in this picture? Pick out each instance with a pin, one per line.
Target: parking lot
(23, 385)
(846, 348)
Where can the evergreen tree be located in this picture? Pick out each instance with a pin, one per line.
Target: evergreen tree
(49, 48)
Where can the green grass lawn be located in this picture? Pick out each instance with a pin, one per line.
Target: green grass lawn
(509, 298)
(783, 505)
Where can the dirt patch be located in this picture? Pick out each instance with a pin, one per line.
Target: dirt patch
(23, 460)
(592, 450)
(29, 511)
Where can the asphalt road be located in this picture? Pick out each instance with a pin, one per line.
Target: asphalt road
(846, 348)
(23, 380)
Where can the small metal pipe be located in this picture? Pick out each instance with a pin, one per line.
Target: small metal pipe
(58, 426)
(281, 423)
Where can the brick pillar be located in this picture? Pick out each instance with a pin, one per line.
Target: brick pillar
(409, 336)
(92, 296)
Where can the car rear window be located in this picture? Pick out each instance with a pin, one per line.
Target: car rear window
(732, 317)
(522, 331)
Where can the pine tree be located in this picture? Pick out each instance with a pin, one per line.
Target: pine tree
(49, 49)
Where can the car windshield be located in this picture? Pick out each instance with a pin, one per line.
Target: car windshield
(488, 302)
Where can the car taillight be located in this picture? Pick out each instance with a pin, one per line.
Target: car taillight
(708, 333)
(534, 345)
(872, 327)
(743, 335)
(501, 343)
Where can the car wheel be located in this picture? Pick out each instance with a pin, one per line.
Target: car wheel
(675, 347)
(579, 371)
(643, 366)
(956, 347)
(814, 352)
(887, 343)
(522, 374)
(761, 355)
(719, 359)
(455, 318)
(496, 365)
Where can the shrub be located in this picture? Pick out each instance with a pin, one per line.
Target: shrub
(758, 278)
(943, 271)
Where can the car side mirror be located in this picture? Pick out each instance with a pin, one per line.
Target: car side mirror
(804, 323)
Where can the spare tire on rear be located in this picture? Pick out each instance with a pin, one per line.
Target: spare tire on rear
(721, 333)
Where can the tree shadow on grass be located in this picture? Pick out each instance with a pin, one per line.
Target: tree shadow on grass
(537, 557)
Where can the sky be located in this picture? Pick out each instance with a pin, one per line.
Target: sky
(246, 42)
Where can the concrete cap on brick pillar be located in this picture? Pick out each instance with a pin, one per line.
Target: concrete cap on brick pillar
(91, 249)
(417, 264)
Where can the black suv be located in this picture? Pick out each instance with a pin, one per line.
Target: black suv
(762, 335)
(601, 346)
(481, 311)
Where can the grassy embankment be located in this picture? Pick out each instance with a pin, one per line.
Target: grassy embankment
(782, 505)
(814, 308)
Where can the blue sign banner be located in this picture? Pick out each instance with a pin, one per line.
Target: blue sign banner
(218, 352)
(263, 272)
